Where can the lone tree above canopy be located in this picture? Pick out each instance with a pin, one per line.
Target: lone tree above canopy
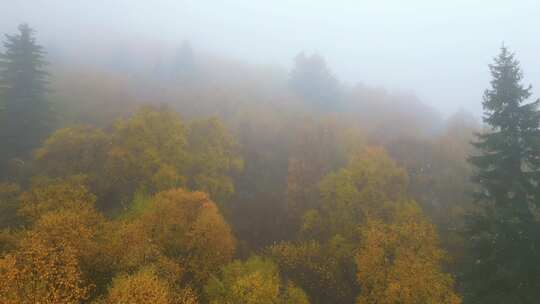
(504, 261)
(25, 116)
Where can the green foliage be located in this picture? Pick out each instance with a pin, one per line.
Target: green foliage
(369, 189)
(25, 118)
(213, 158)
(318, 148)
(324, 266)
(78, 149)
(141, 203)
(255, 281)
(147, 152)
(363, 188)
(503, 260)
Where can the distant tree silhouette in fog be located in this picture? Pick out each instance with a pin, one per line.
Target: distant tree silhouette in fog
(312, 79)
(183, 65)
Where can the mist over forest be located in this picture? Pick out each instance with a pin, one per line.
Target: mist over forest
(250, 153)
(439, 50)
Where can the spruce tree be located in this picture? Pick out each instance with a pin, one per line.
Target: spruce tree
(504, 245)
(25, 113)
(312, 80)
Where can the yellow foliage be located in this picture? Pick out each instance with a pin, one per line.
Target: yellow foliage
(318, 147)
(47, 195)
(187, 226)
(147, 286)
(186, 296)
(142, 287)
(143, 152)
(377, 176)
(365, 187)
(150, 151)
(213, 157)
(147, 152)
(74, 150)
(81, 230)
(126, 246)
(294, 295)
(41, 272)
(48, 264)
(170, 270)
(400, 261)
(167, 177)
(255, 281)
(180, 233)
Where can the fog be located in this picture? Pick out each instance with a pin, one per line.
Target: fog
(437, 49)
(286, 152)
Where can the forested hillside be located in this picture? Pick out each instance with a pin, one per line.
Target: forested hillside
(183, 177)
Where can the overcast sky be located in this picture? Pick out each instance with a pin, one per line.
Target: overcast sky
(438, 49)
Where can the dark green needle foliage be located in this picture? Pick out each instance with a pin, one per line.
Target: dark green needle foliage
(25, 110)
(504, 253)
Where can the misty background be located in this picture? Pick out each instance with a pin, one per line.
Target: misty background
(226, 151)
(437, 50)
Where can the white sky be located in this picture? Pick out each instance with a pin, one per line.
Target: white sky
(438, 49)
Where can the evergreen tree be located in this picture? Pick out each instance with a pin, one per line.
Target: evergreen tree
(311, 79)
(183, 65)
(503, 253)
(26, 112)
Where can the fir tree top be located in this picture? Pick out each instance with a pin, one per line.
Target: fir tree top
(503, 101)
(26, 115)
(21, 66)
(510, 150)
(504, 235)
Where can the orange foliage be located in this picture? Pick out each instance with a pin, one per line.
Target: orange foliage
(40, 272)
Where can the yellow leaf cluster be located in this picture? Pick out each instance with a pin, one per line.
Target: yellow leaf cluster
(187, 226)
(41, 272)
(399, 261)
(46, 195)
(145, 286)
(255, 281)
(365, 187)
(151, 151)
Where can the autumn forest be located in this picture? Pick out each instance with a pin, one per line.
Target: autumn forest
(183, 177)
